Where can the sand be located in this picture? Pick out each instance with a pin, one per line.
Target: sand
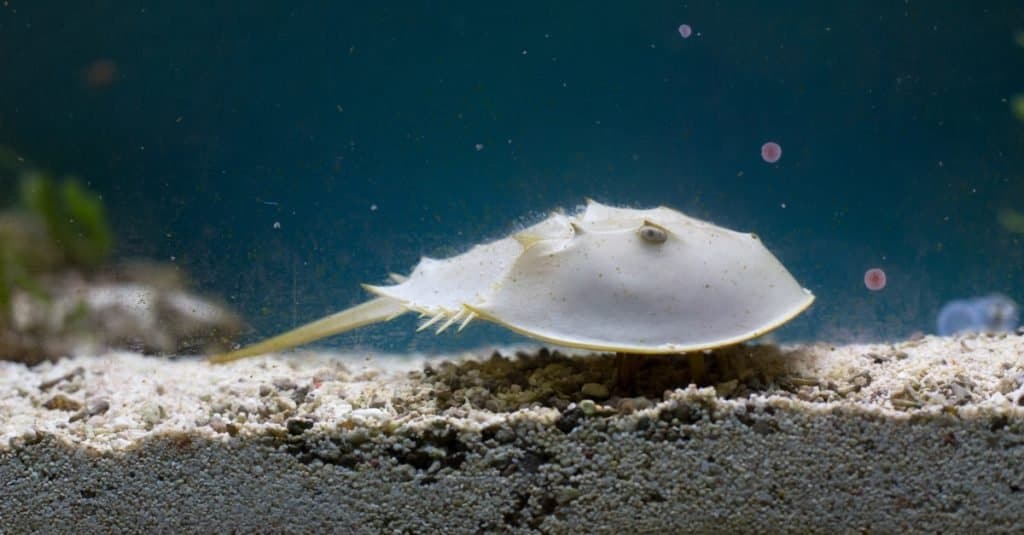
(921, 436)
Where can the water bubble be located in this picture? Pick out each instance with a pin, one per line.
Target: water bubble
(991, 313)
(101, 73)
(874, 279)
(771, 152)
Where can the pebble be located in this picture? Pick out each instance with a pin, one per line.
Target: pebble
(77, 372)
(567, 495)
(98, 406)
(60, 402)
(284, 383)
(594, 391)
(297, 426)
(631, 405)
(218, 424)
(94, 408)
(726, 388)
(504, 436)
(1007, 385)
(151, 413)
(372, 414)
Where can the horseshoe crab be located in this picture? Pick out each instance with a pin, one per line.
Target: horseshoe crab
(606, 279)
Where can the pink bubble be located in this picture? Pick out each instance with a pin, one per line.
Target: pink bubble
(874, 279)
(685, 31)
(100, 73)
(771, 152)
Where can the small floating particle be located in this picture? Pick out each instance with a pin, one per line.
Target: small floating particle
(479, 147)
(277, 224)
(685, 31)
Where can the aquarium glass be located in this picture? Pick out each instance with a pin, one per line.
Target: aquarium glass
(282, 153)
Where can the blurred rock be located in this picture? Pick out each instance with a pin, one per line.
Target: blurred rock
(137, 307)
(60, 295)
(24, 237)
(991, 313)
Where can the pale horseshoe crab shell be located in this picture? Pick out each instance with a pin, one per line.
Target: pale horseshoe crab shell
(605, 279)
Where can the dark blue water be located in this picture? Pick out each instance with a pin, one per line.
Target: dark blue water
(355, 129)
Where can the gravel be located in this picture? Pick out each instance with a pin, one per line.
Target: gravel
(924, 435)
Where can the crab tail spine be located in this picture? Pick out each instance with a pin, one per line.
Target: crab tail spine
(454, 317)
(469, 318)
(397, 313)
(437, 317)
(373, 311)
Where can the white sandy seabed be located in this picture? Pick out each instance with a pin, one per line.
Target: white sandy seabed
(921, 436)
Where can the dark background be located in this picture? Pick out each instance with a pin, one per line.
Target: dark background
(204, 123)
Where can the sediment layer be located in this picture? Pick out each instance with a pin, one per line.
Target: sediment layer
(921, 436)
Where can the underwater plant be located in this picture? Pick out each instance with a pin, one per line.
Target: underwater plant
(61, 293)
(54, 225)
(1011, 220)
(74, 217)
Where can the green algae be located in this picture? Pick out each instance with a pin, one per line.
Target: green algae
(52, 225)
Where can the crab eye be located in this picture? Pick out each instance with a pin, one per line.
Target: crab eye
(652, 234)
